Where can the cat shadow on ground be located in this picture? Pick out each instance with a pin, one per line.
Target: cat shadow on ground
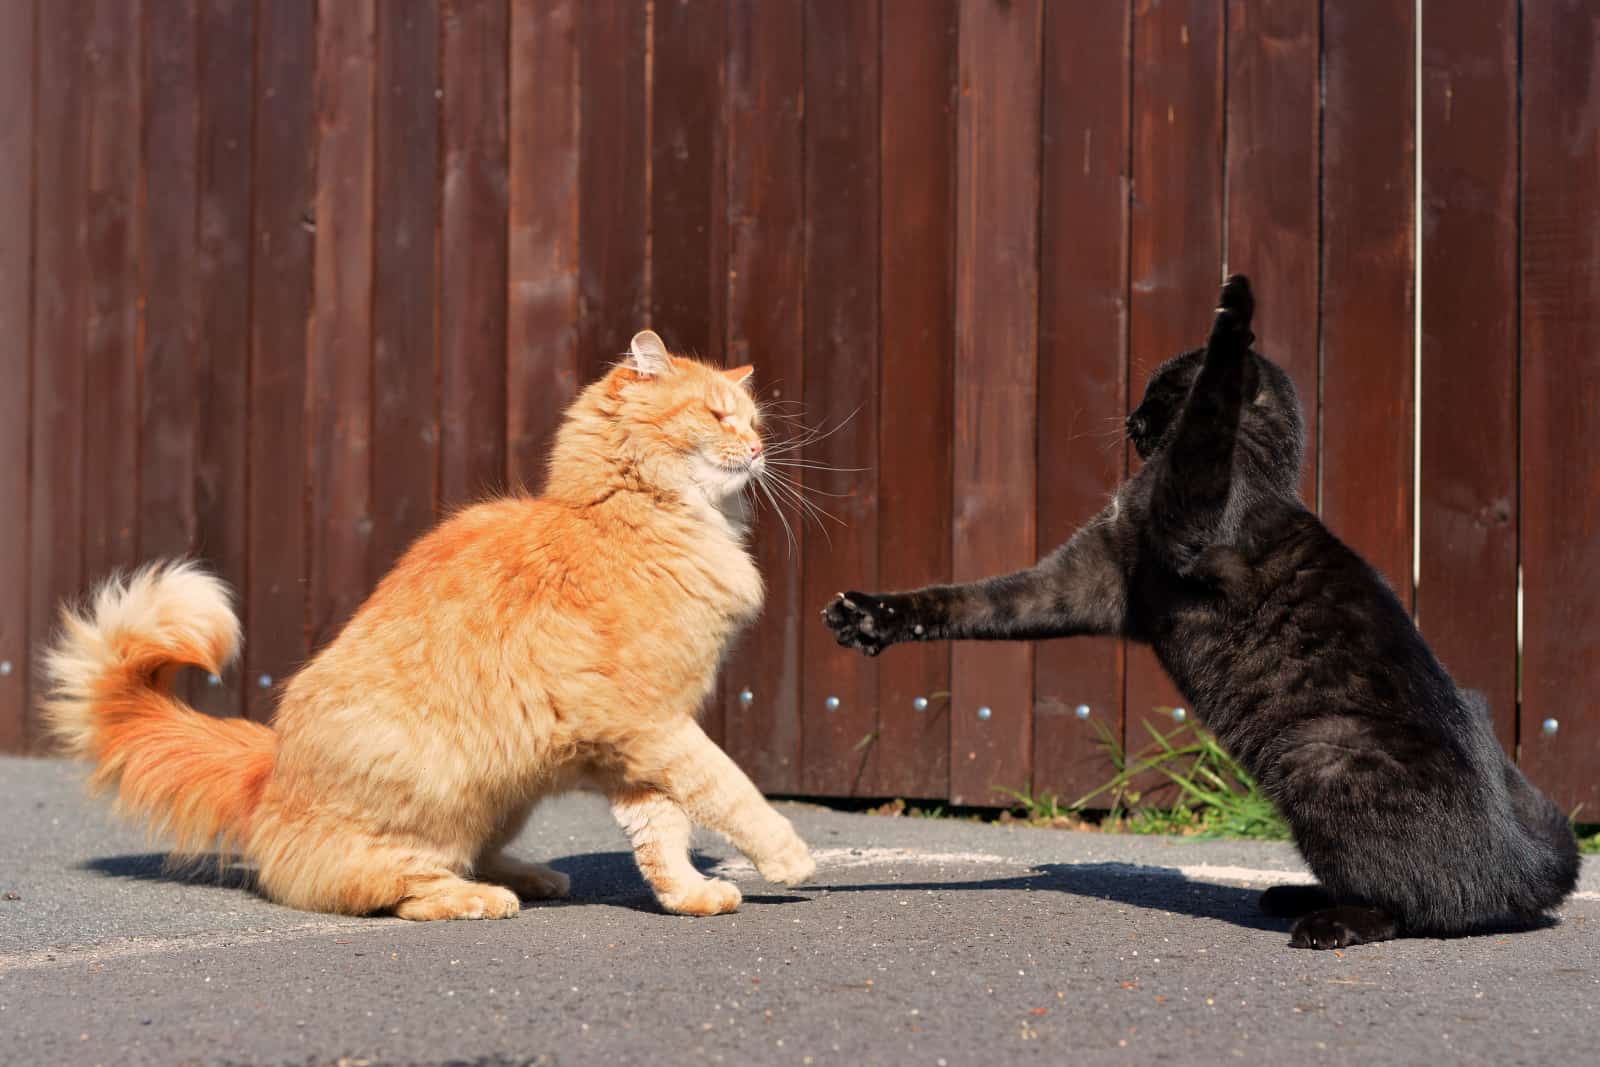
(597, 877)
(1153, 888)
(1156, 889)
(613, 878)
(206, 870)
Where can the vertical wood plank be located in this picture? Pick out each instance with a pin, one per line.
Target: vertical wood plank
(472, 304)
(688, 267)
(1083, 363)
(613, 212)
(111, 350)
(1176, 233)
(222, 362)
(405, 400)
(1467, 511)
(60, 306)
(688, 226)
(1561, 397)
(917, 346)
(281, 281)
(841, 323)
(18, 71)
(766, 302)
(1273, 162)
(1368, 318)
(542, 320)
(996, 379)
(168, 441)
(339, 352)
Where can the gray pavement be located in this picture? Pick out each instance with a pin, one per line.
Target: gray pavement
(919, 942)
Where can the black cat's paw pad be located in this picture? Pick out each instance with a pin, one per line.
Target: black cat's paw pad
(855, 621)
(1341, 927)
(1319, 932)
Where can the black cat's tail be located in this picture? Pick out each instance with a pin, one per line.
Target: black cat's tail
(1551, 858)
(1554, 847)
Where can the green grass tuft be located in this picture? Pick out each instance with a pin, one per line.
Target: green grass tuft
(1216, 796)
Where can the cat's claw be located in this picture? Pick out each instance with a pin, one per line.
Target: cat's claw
(1341, 927)
(857, 626)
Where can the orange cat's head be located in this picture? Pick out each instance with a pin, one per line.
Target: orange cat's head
(672, 424)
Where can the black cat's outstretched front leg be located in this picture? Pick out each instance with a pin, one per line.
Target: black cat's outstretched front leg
(1077, 589)
(1190, 496)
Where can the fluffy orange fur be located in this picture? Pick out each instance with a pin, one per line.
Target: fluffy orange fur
(526, 646)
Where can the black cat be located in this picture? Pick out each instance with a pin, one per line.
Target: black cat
(1290, 649)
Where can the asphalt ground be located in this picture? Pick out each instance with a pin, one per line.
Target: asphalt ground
(934, 942)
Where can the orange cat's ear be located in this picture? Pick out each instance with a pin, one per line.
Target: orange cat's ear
(647, 356)
(739, 375)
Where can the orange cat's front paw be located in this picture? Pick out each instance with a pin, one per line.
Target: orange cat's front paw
(711, 897)
(462, 900)
(790, 865)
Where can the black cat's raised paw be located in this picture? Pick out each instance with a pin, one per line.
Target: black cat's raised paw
(867, 622)
(1235, 308)
(1342, 926)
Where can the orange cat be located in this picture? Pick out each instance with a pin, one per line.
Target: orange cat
(522, 648)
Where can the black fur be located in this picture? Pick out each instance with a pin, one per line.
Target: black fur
(1289, 648)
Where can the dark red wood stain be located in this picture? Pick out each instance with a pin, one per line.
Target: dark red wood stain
(542, 373)
(472, 266)
(996, 355)
(405, 281)
(1561, 398)
(765, 302)
(18, 59)
(290, 279)
(1083, 322)
(1467, 511)
(1176, 234)
(111, 317)
(917, 350)
(168, 438)
(339, 357)
(1273, 163)
(841, 383)
(613, 172)
(222, 358)
(1368, 265)
(60, 307)
(281, 280)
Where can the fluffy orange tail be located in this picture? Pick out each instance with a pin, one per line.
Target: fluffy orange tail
(192, 776)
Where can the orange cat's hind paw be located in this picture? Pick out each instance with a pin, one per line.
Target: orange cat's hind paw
(710, 897)
(460, 900)
(790, 866)
(535, 882)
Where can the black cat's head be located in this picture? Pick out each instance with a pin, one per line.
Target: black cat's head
(1271, 436)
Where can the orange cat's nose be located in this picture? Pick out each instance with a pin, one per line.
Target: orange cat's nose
(755, 447)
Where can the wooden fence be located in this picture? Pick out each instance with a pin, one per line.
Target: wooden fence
(281, 280)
